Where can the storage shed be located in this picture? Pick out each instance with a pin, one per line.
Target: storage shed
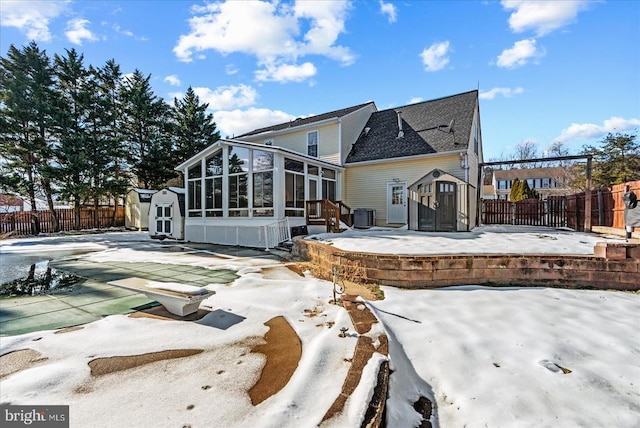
(136, 208)
(166, 217)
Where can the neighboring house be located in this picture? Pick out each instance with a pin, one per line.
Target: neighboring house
(10, 203)
(547, 181)
(489, 192)
(136, 208)
(415, 165)
(166, 215)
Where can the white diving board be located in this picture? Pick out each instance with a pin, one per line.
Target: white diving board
(179, 299)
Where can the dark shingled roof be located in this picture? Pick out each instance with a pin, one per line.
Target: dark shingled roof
(425, 126)
(306, 120)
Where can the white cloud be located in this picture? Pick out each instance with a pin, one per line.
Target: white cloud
(31, 17)
(521, 52)
(286, 73)
(172, 80)
(118, 29)
(77, 31)
(388, 9)
(542, 16)
(227, 97)
(505, 92)
(435, 56)
(236, 122)
(585, 131)
(270, 31)
(415, 100)
(231, 69)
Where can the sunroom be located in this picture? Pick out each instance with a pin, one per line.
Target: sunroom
(248, 194)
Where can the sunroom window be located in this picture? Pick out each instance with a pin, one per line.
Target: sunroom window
(238, 182)
(213, 185)
(262, 183)
(194, 188)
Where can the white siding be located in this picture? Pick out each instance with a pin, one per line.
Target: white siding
(366, 185)
(297, 141)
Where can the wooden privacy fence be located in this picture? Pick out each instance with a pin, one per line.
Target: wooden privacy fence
(607, 209)
(19, 223)
(530, 212)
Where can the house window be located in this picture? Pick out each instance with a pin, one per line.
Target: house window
(328, 184)
(238, 197)
(213, 185)
(262, 183)
(194, 188)
(545, 183)
(312, 143)
(294, 188)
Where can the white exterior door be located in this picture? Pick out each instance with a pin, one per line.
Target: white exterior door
(397, 203)
(164, 219)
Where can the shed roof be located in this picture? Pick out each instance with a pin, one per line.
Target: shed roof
(426, 126)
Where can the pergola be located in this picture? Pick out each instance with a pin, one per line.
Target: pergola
(587, 192)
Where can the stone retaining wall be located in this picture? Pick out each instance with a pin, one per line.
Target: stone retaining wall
(613, 266)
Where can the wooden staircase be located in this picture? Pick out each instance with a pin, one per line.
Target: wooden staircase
(323, 212)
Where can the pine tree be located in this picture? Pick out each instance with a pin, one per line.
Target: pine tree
(114, 178)
(616, 160)
(146, 126)
(194, 129)
(27, 105)
(75, 150)
(516, 191)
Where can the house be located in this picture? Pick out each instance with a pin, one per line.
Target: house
(166, 213)
(14, 203)
(136, 208)
(415, 165)
(547, 181)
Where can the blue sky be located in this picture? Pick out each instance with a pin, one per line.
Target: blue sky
(546, 70)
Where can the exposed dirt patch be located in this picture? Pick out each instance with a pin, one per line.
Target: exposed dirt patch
(368, 291)
(283, 350)
(17, 361)
(103, 366)
(362, 319)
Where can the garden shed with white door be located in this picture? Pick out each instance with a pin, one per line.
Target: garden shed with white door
(166, 216)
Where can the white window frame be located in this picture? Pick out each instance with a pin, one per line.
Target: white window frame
(316, 145)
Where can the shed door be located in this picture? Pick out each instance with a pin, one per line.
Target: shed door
(446, 206)
(164, 219)
(397, 203)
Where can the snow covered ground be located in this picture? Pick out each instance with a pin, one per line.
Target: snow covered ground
(482, 239)
(485, 357)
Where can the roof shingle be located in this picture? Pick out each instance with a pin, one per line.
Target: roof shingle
(425, 125)
(305, 120)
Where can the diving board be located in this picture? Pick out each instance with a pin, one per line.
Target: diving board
(179, 299)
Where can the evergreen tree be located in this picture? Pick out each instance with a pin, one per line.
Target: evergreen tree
(74, 152)
(115, 179)
(146, 127)
(528, 192)
(516, 191)
(194, 129)
(27, 105)
(615, 161)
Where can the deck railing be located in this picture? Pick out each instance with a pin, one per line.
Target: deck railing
(328, 213)
(276, 233)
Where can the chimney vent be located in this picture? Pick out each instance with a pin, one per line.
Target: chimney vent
(400, 131)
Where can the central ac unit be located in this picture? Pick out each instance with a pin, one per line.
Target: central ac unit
(364, 218)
